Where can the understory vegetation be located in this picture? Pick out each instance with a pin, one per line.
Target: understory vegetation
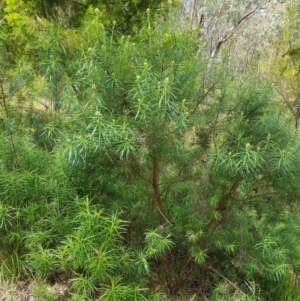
(136, 165)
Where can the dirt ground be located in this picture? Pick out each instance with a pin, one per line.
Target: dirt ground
(40, 291)
(34, 291)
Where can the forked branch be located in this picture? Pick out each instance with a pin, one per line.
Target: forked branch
(226, 36)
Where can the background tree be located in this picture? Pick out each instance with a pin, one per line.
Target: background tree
(284, 63)
(237, 31)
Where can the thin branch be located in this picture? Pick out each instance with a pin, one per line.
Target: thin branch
(226, 280)
(234, 28)
(138, 174)
(203, 97)
(222, 209)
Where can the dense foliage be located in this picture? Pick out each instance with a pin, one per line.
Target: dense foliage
(137, 167)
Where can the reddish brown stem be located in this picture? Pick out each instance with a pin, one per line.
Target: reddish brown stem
(155, 185)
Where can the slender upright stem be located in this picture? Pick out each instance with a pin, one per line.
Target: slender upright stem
(155, 185)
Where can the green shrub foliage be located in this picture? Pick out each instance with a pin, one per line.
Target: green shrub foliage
(137, 167)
